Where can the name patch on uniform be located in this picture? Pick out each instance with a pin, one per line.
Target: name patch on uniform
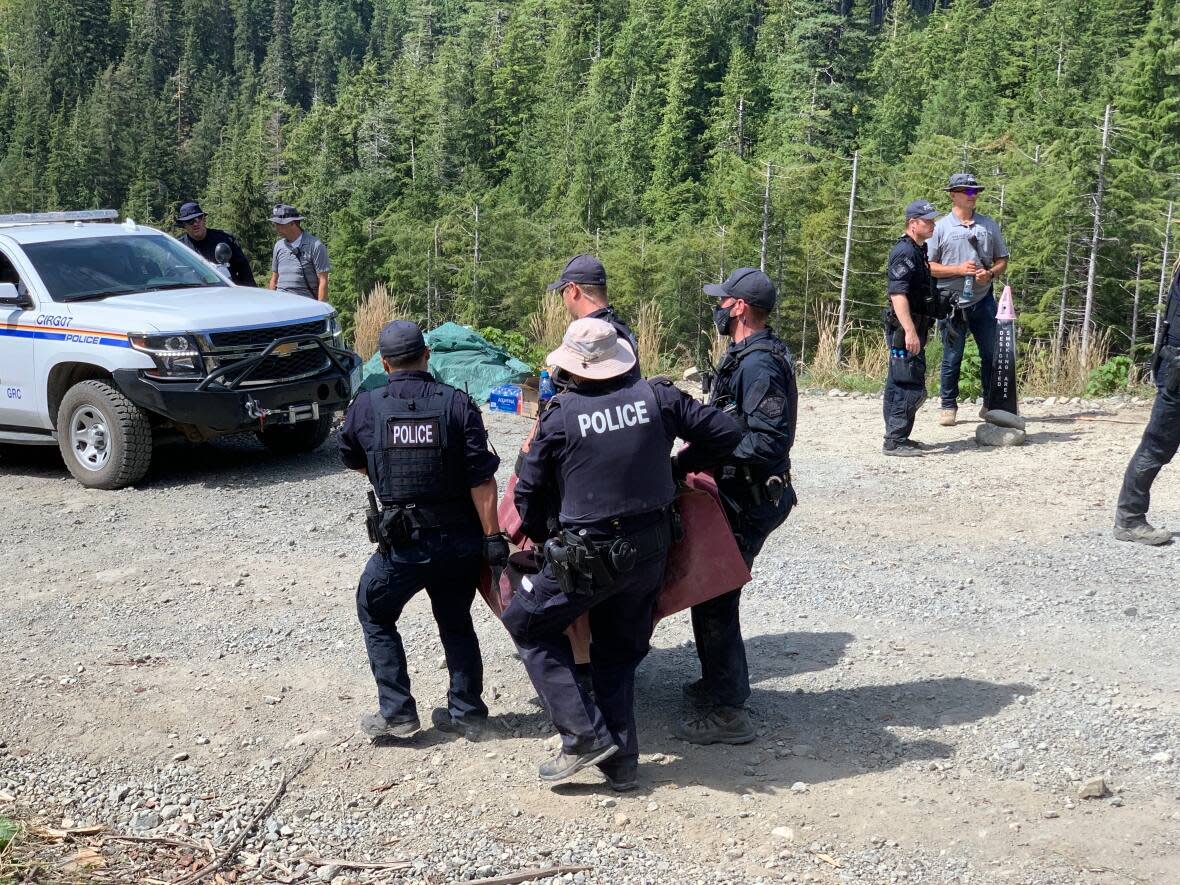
(607, 420)
(412, 433)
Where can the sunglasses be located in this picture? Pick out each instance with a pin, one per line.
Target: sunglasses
(970, 191)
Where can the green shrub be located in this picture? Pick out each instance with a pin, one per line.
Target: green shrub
(7, 832)
(1112, 375)
(518, 345)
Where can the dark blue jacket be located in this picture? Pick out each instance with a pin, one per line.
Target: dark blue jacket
(756, 379)
(542, 483)
(356, 437)
(239, 264)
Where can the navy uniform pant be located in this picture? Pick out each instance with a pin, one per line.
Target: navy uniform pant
(716, 624)
(385, 587)
(1161, 438)
(905, 391)
(620, 630)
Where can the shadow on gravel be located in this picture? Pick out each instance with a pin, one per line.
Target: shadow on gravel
(970, 445)
(808, 737)
(834, 734)
(239, 461)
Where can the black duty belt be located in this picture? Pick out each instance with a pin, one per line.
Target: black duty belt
(584, 564)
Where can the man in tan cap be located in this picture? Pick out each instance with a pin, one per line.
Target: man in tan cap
(600, 459)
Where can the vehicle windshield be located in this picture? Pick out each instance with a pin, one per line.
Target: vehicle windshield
(101, 267)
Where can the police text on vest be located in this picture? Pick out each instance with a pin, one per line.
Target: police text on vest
(606, 420)
(404, 433)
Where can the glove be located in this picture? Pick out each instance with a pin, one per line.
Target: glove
(495, 550)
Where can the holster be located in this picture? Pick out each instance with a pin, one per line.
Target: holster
(1167, 367)
(582, 565)
(373, 524)
(754, 491)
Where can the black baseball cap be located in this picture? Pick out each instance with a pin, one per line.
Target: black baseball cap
(581, 269)
(960, 180)
(921, 209)
(189, 211)
(401, 340)
(748, 284)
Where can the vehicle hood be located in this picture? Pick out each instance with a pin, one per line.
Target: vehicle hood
(198, 310)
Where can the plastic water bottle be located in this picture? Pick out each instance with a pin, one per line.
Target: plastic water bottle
(968, 287)
(546, 388)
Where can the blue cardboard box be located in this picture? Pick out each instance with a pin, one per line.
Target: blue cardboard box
(505, 398)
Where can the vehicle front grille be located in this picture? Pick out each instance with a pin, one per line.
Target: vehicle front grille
(248, 337)
(288, 368)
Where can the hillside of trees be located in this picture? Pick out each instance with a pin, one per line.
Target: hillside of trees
(460, 150)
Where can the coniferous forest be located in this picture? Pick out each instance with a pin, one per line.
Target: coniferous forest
(460, 150)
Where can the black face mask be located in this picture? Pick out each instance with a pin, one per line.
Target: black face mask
(722, 319)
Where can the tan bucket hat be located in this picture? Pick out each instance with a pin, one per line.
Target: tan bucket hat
(591, 349)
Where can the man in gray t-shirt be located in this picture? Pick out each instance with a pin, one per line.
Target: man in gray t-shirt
(967, 252)
(299, 262)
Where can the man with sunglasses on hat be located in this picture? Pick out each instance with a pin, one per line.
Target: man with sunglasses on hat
(603, 445)
(582, 285)
(967, 252)
(299, 262)
(756, 384)
(204, 240)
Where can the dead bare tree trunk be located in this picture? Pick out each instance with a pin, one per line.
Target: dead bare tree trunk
(1060, 338)
(1095, 237)
(847, 259)
(765, 220)
(1159, 299)
(1135, 306)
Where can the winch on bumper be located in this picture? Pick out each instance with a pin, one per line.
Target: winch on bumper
(234, 398)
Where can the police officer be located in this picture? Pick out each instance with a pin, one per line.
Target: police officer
(423, 446)
(756, 382)
(582, 285)
(600, 460)
(204, 241)
(1161, 437)
(907, 324)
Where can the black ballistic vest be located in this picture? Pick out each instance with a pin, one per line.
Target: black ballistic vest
(616, 457)
(417, 456)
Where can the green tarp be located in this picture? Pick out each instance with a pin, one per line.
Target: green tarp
(461, 357)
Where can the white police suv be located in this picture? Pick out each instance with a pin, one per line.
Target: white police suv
(111, 333)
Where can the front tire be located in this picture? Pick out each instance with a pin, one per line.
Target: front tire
(297, 439)
(105, 439)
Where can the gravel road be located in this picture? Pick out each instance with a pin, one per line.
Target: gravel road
(946, 653)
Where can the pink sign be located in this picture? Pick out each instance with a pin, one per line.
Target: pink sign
(1006, 311)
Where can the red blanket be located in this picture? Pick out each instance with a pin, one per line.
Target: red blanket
(705, 564)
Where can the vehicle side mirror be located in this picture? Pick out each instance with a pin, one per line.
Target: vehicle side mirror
(11, 296)
(222, 253)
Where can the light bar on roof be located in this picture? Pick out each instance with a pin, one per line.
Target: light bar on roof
(57, 217)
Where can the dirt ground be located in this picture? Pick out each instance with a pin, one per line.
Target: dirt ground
(943, 651)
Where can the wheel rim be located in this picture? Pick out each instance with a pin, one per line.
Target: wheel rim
(89, 438)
